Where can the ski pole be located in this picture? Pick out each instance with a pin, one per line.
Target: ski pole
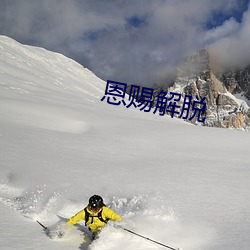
(146, 238)
(45, 228)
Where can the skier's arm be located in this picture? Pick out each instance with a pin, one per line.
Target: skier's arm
(110, 214)
(77, 217)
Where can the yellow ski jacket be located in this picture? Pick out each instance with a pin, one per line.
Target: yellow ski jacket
(94, 223)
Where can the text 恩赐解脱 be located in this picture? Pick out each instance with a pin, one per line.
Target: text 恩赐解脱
(144, 100)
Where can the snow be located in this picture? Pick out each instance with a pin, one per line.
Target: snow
(182, 185)
(242, 98)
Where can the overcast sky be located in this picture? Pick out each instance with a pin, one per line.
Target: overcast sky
(132, 41)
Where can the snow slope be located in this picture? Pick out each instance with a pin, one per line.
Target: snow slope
(183, 185)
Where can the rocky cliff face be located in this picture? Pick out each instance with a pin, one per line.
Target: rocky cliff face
(195, 77)
(237, 81)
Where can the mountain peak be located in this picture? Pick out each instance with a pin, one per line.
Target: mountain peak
(196, 77)
(198, 63)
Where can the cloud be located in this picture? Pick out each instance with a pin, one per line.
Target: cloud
(233, 49)
(129, 41)
(228, 28)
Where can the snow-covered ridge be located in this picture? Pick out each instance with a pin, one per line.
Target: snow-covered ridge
(33, 74)
(22, 67)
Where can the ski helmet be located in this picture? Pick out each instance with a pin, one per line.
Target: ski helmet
(95, 202)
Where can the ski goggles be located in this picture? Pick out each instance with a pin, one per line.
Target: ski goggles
(94, 208)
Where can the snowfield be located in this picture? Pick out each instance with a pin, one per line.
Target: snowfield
(182, 185)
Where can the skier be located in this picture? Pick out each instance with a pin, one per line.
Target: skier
(95, 214)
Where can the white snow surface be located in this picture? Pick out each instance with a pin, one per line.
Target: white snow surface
(182, 185)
